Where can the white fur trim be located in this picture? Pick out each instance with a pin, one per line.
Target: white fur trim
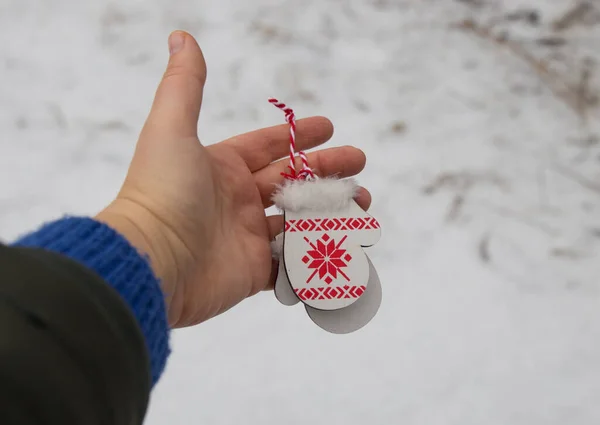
(328, 194)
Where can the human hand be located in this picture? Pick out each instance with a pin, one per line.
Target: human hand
(199, 212)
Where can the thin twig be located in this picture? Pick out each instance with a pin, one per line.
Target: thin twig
(455, 207)
(572, 16)
(552, 79)
(583, 181)
(483, 248)
(584, 96)
(520, 217)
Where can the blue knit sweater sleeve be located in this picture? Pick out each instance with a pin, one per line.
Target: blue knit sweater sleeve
(113, 258)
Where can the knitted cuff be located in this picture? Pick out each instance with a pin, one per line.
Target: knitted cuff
(112, 257)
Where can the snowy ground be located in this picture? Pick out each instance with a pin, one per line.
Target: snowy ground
(484, 173)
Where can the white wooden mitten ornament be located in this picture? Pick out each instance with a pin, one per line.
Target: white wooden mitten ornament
(345, 320)
(321, 258)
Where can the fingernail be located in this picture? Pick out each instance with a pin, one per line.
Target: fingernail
(176, 42)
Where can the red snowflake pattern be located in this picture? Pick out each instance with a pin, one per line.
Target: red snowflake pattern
(327, 259)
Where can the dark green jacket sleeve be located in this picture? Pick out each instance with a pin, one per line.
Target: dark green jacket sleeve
(71, 351)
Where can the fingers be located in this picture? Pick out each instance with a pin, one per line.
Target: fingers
(363, 198)
(276, 222)
(343, 162)
(261, 147)
(178, 98)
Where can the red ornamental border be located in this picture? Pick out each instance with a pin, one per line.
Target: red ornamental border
(329, 293)
(327, 224)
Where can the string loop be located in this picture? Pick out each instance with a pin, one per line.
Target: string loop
(306, 172)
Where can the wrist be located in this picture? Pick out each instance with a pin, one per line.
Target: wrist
(146, 235)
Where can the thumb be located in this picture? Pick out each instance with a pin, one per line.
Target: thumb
(365, 228)
(178, 99)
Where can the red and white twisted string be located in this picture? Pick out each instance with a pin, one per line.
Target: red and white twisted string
(306, 172)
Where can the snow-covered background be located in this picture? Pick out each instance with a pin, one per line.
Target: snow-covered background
(480, 124)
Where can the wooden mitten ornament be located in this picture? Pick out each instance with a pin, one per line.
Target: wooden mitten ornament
(322, 262)
(345, 320)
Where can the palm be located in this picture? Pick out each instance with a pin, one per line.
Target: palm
(238, 261)
(199, 213)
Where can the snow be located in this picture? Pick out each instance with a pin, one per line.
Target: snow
(485, 181)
